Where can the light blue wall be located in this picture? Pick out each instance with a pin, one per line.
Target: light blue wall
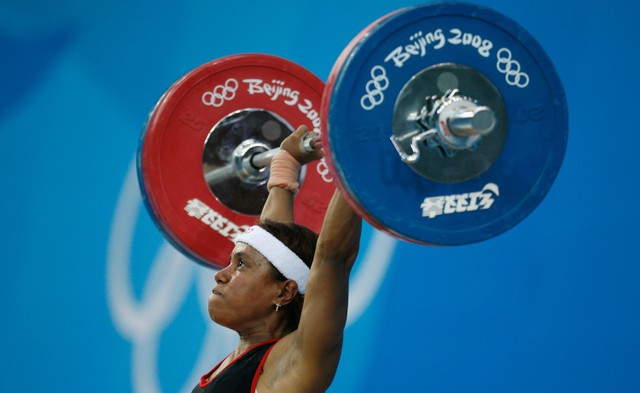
(92, 299)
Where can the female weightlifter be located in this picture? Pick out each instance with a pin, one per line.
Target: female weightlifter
(285, 291)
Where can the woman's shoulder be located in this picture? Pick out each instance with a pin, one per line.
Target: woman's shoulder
(288, 369)
(280, 363)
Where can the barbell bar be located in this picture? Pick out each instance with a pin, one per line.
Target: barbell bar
(251, 160)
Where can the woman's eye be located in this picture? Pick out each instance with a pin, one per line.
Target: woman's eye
(240, 263)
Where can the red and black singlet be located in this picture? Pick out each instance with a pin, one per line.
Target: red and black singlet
(241, 375)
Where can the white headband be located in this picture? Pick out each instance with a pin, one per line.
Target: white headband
(280, 256)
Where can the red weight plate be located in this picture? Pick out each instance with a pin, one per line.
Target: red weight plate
(170, 156)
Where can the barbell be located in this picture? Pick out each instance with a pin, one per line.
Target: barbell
(442, 124)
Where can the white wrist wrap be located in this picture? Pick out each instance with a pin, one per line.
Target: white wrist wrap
(280, 256)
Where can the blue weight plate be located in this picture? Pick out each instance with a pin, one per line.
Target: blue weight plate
(359, 103)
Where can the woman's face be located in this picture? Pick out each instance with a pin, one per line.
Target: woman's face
(245, 290)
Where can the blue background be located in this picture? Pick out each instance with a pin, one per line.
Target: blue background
(91, 301)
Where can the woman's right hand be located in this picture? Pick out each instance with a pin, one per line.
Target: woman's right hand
(293, 144)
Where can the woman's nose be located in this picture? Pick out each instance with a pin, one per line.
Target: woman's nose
(222, 275)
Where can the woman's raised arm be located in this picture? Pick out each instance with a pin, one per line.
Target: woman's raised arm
(279, 204)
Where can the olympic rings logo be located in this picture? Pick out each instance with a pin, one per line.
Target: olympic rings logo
(375, 88)
(221, 93)
(323, 170)
(511, 69)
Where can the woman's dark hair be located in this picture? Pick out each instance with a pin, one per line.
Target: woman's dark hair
(302, 241)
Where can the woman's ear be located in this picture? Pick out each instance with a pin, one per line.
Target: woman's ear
(288, 292)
